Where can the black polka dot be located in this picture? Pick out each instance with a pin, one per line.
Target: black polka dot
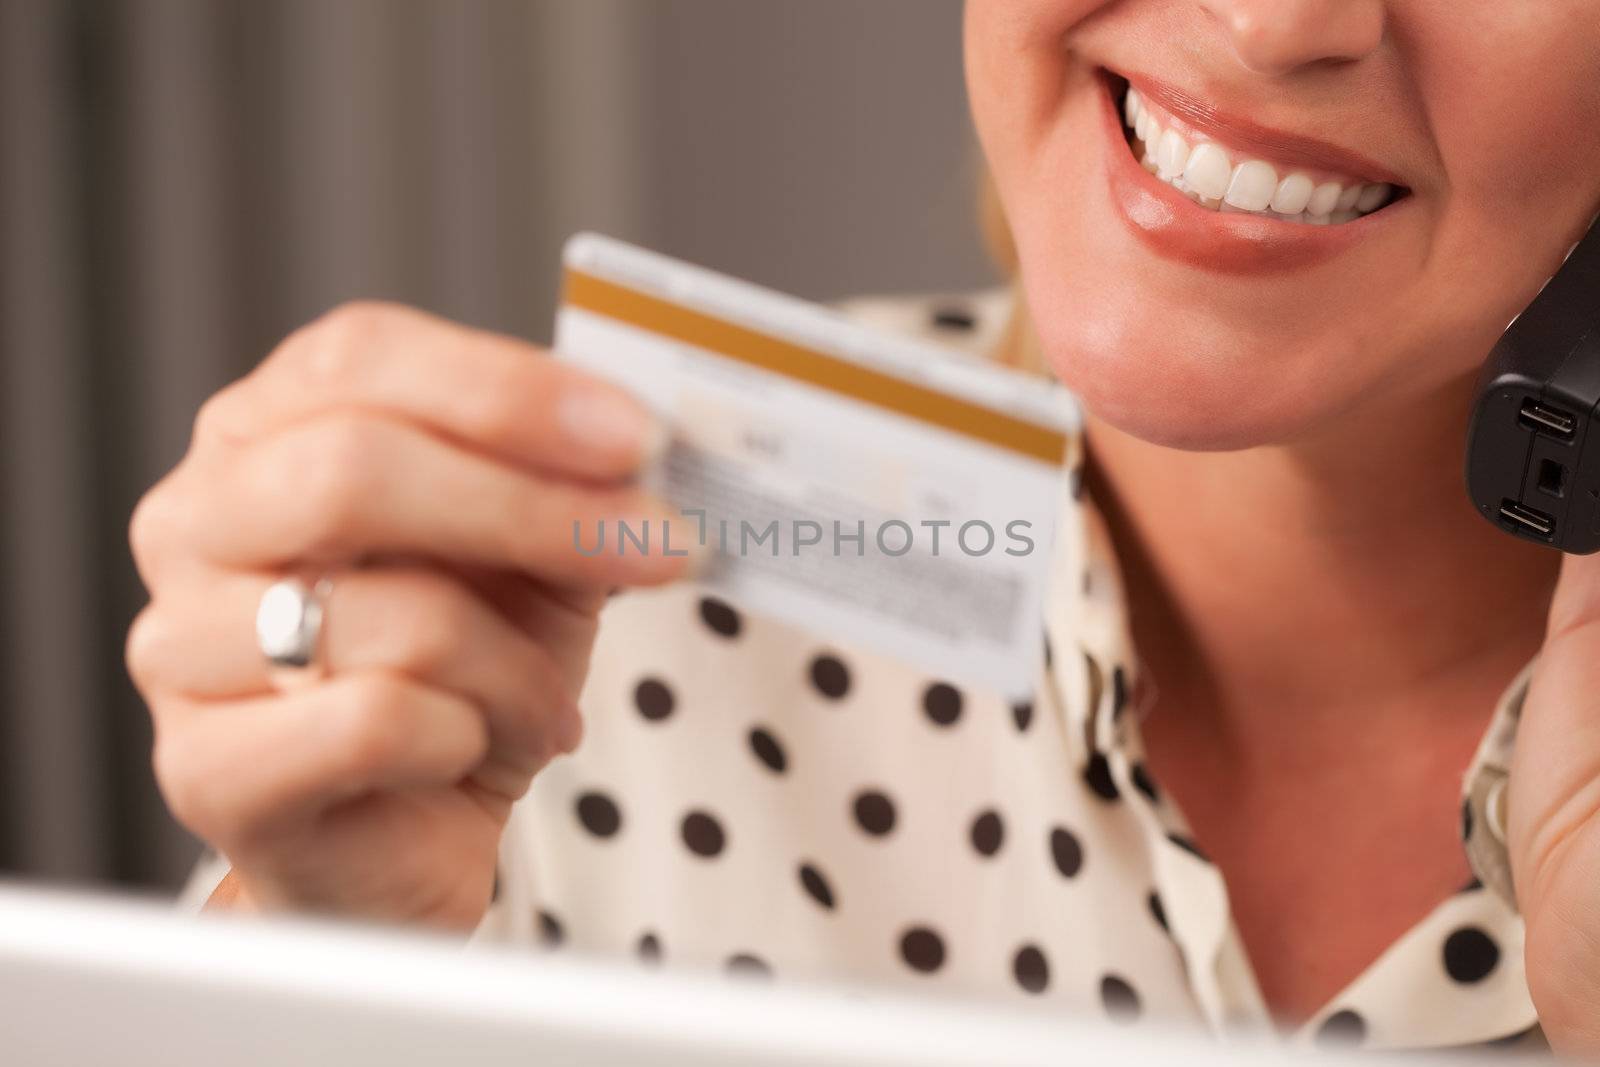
(703, 834)
(988, 833)
(1067, 852)
(1188, 845)
(1342, 1029)
(1031, 969)
(654, 700)
(922, 949)
(599, 814)
(1470, 955)
(649, 948)
(747, 966)
(1119, 999)
(1158, 912)
(550, 930)
(954, 318)
(830, 676)
(874, 813)
(1466, 820)
(768, 750)
(1022, 715)
(816, 886)
(942, 703)
(1145, 784)
(1097, 776)
(721, 618)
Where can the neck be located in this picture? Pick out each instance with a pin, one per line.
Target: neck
(1333, 576)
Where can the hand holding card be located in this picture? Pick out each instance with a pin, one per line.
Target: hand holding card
(876, 489)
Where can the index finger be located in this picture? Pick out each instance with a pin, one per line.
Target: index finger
(491, 393)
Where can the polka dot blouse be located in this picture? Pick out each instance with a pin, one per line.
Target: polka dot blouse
(756, 798)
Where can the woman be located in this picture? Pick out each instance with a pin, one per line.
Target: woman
(1274, 325)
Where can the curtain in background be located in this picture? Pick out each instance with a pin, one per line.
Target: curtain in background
(184, 181)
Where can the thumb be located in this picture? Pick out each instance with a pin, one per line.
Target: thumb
(1576, 601)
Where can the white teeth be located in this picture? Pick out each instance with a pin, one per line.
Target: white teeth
(1148, 130)
(1373, 197)
(1324, 198)
(1206, 174)
(1171, 154)
(1209, 171)
(1252, 186)
(1293, 194)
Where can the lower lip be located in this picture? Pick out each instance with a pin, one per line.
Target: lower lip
(1176, 228)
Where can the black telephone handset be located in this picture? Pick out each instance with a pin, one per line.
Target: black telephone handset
(1533, 453)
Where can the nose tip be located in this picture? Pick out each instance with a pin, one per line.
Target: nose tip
(1275, 37)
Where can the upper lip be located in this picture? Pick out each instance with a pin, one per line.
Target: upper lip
(1271, 144)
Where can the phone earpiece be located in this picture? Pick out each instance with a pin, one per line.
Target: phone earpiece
(1533, 450)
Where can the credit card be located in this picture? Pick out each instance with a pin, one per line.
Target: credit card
(878, 490)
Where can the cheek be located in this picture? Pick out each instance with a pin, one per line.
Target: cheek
(1519, 152)
(1016, 56)
(1513, 97)
(1520, 161)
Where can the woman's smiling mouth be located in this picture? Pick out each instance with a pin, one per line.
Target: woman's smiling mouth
(1224, 178)
(1227, 195)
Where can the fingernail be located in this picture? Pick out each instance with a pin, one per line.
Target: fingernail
(571, 732)
(606, 418)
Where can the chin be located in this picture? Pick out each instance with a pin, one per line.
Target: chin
(1179, 373)
(1180, 404)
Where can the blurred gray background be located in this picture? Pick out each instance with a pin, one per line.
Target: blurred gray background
(184, 181)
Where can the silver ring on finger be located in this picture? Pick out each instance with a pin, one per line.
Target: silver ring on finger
(289, 623)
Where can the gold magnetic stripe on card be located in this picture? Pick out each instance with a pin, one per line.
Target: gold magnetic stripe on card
(836, 375)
